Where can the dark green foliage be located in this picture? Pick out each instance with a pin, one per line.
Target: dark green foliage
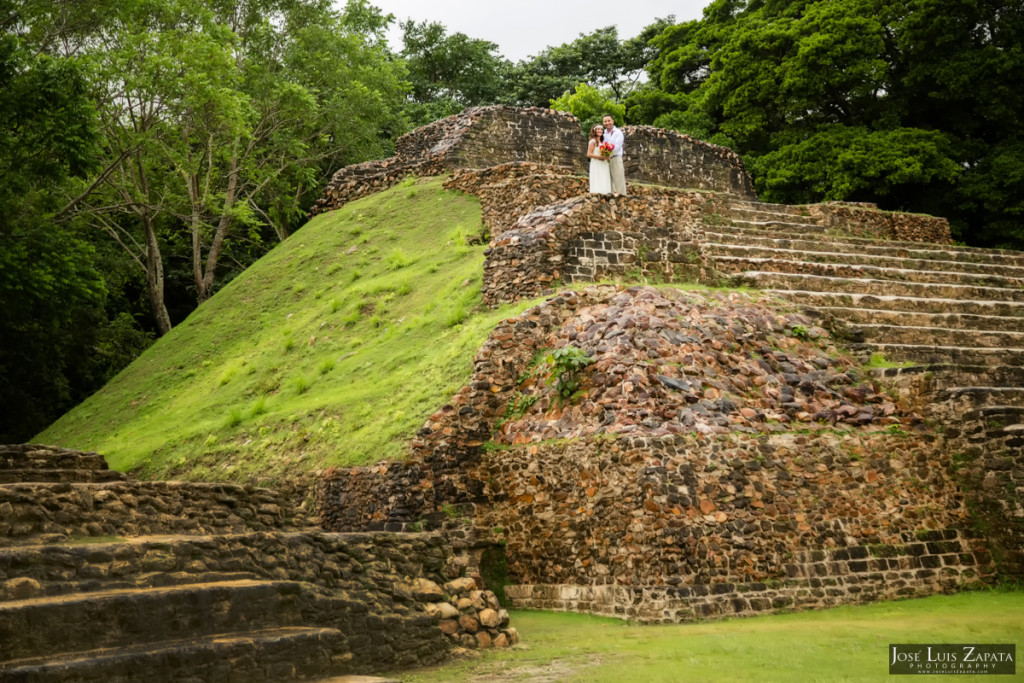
(57, 345)
(912, 105)
(598, 59)
(449, 72)
(152, 149)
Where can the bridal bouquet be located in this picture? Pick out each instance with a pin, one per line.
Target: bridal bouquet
(605, 149)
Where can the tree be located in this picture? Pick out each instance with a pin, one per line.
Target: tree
(909, 105)
(449, 72)
(598, 59)
(51, 293)
(222, 120)
(589, 105)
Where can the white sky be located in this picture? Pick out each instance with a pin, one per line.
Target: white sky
(524, 28)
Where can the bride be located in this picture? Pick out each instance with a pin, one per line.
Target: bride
(600, 176)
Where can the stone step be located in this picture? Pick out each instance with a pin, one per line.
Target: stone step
(51, 585)
(851, 285)
(923, 353)
(855, 256)
(767, 224)
(13, 476)
(999, 426)
(739, 264)
(943, 336)
(944, 376)
(964, 321)
(37, 457)
(35, 570)
(803, 241)
(993, 413)
(38, 627)
(137, 508)
(972, 398)
(259, 656)
(785, 209)
(755, 214)
(925, 305)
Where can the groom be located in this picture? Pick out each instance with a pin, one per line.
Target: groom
(614, 136)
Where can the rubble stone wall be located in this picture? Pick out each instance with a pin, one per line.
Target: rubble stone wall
(987, 450)
(672, 529)
(736, 517)
(656, 156)
(133, 508)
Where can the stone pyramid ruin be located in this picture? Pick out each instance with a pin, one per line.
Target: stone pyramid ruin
(722, 451)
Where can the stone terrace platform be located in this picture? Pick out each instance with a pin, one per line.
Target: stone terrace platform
(107, 579)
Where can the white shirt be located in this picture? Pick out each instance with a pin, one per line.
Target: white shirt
(615, 137)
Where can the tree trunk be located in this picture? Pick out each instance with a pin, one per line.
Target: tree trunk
(205, 276)
(155, 278)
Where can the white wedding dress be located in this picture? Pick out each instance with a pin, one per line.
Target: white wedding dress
(600, 177)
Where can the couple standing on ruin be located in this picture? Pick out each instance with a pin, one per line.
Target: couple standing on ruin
(605, 153)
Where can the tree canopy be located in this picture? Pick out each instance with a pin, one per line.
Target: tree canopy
(913, 105)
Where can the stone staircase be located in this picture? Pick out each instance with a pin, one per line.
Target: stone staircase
(953, 315)
(106, 579)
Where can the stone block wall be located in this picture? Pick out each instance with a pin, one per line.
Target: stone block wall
(661, 254)
(508, 191)
(988, 451)
(730, 511)
(684, 527)
(656, 156)
(556, 243)
(929, 563)
(733, 508)
(482, 137)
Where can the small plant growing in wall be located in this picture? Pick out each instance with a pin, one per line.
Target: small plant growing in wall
(566, 364)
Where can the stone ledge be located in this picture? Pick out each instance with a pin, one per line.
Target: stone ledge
(139, 508)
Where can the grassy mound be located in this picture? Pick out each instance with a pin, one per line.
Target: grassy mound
(331, 350)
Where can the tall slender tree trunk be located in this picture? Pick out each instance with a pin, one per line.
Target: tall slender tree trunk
(154, 259)
(155, 277)
(205, 274)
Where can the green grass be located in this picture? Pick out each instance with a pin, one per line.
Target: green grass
(878, 360)
(313, 357)
(841, 644)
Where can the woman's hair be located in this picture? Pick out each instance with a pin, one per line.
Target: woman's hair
(593, 131)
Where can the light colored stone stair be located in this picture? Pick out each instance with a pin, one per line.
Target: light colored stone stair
(821, 251)
(809, 241)
(957, 312)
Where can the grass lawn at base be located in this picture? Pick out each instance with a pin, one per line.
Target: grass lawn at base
(840, 644)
